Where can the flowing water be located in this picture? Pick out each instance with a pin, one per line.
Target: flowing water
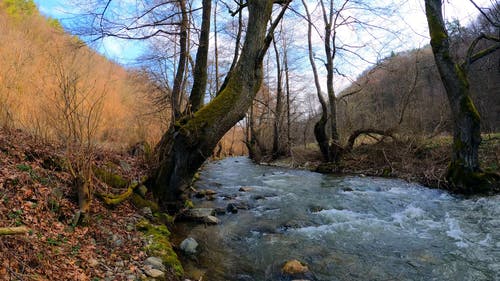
(343, 228)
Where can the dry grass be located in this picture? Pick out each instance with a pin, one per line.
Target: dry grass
(418, 160)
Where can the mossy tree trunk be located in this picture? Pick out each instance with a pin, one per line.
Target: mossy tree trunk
(464, 166)
(191, 140)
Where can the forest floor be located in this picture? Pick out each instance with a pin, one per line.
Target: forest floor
(36, 191)
(424, 160)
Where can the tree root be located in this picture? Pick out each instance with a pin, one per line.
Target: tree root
(115, 199)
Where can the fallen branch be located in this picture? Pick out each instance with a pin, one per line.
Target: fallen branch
(13, 230)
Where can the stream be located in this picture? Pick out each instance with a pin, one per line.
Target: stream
(343, 228)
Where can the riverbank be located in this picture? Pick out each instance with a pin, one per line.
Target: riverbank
(37, 198)
(423, 161)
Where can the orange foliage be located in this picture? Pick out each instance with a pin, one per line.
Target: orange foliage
(35, 58)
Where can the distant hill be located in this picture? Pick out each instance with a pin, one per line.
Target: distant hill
(404, 91)
(48, 77)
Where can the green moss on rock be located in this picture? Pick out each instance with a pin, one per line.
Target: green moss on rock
(110, 178)
(159, 245)
(470, 182)
(140, 203)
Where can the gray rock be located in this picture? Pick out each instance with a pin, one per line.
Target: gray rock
(245, 189)
(155, 273)
(199, 213)
(155, 263)
(131, 277)
(189, 246)
(211, 220)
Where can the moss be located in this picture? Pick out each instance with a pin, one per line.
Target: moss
(140, 203)
(164, 218)
(188, 204)
(207, 115)
(110, 178)
(465, 181)
(467, 106)
(160, 246)
(112, 199)
(437, 32)
(196, 177)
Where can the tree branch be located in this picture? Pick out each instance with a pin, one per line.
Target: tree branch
(473, 57)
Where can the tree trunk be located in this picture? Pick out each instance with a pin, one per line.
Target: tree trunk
(179, 76)
(200, 69)
(192, 139)
(464, 168)
(277, 147)
(320, 126)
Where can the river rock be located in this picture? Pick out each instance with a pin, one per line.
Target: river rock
(295, 270)
(155, 263)
(231, 208)
(189, 246)
(220, 211)
(198, 213)
(211, 220)
(294, 267)
(245, 189)
(258, 197)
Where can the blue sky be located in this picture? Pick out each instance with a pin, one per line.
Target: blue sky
(411, 21)
(121, 51)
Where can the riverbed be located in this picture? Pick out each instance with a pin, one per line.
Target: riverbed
(343, 228)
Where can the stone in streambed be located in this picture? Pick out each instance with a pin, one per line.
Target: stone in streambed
(211, 220)
(295, 270)
(294, 267)
(189, 246)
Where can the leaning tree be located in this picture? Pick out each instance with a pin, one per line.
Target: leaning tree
(464, 172)
(196, 127)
